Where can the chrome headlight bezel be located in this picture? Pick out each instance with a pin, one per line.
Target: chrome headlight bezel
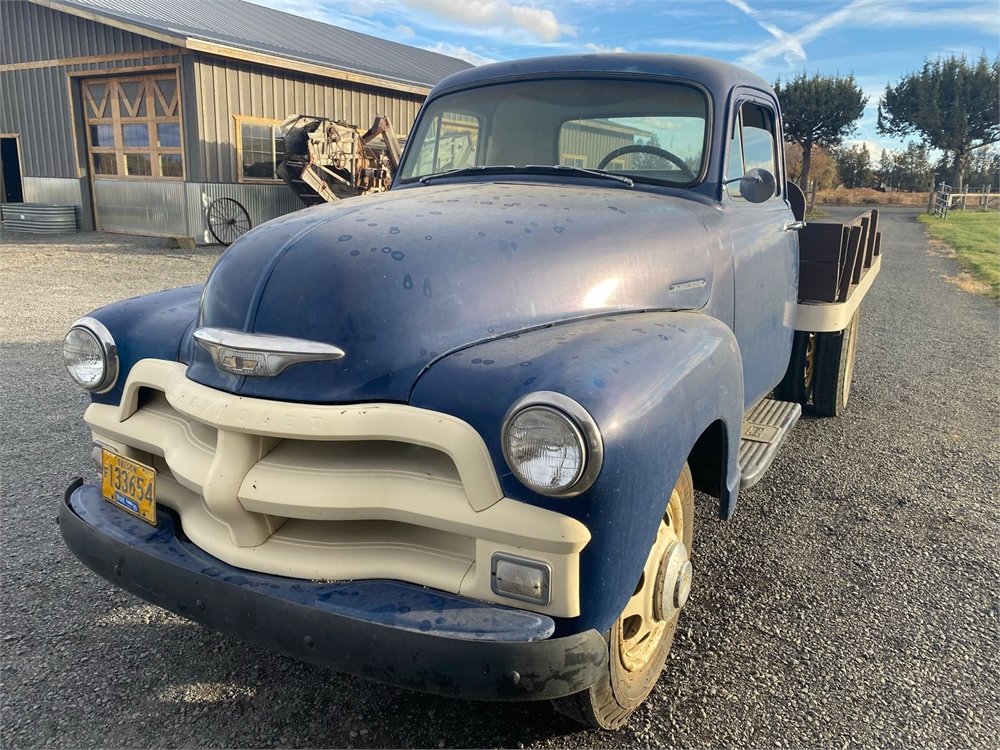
(579, 421)
(109, 352)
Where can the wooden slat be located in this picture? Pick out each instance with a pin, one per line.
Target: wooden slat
(853, 251)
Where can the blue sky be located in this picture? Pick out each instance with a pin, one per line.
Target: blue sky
(877, 40)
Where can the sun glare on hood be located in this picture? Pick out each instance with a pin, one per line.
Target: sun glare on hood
(601, 295)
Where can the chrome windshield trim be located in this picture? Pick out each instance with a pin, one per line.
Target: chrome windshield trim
(261, 354)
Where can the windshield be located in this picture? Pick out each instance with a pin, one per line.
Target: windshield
(651, 131)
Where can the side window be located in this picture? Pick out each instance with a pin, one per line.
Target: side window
(757, 134)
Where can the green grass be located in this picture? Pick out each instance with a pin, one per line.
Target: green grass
(816, 213)
(975, 238)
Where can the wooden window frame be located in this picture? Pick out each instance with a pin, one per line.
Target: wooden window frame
(245, 119)
(110, 110)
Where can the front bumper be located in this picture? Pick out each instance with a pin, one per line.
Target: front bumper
(387, 631)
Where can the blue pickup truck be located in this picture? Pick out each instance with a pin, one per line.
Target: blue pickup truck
(448, 437)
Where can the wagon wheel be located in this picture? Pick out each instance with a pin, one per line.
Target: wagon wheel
(227, 220)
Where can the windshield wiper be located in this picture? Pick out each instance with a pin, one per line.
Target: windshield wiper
(530, 169)
(599, 173)
(466, 171)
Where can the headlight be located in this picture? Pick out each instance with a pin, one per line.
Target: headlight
(552, 444)
(91, 355)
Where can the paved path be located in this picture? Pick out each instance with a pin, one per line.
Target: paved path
(852, 602)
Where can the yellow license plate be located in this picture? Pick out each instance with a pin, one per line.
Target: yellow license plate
(130, 485)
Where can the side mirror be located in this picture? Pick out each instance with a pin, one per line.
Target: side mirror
(758, 185)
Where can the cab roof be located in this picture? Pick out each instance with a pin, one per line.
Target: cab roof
(717, 76)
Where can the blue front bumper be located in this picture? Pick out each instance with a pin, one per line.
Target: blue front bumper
(388, 631)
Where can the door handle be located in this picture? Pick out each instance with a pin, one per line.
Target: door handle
(793, 226)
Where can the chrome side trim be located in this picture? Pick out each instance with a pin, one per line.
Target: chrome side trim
(585, 423)
(261, 354)
(97, 329)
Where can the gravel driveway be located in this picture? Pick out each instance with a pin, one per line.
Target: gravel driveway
(852, 601)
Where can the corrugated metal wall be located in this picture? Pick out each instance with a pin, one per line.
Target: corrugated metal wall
(262, 202)
(228, 87)
(31, 33)
(592, 142)
(180, 208)
(67, 192)
(36, 102)
(154, 207)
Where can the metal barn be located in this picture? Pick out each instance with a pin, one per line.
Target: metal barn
(141, 113)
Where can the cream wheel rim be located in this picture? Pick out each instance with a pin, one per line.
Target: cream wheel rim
(640, 630)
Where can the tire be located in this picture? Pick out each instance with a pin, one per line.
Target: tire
(797, 385)
(834, 369)
(634, 663)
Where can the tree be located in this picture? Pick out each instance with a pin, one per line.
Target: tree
(886, 169)
(983, 169)
(646, 160)
(951, 104)
(854, 165)
(819, 111)
(913, 165)
(822, 169)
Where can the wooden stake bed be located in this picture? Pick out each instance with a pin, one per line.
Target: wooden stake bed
(837, 265)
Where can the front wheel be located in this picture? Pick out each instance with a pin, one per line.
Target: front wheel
(640, 639)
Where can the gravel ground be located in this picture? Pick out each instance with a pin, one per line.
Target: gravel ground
(852, 601)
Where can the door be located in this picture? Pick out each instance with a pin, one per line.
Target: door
(765, 252)
(134, 137)
(11, 190)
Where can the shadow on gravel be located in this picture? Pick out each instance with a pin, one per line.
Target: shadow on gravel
(108, 243)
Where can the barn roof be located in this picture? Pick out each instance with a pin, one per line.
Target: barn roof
(233, 28)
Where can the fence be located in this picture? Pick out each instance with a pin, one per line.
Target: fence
(943, 200)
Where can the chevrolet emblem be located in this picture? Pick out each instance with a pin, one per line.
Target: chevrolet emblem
(260, 354)
(239, 363)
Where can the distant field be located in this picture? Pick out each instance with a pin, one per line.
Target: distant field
(975, 238)
(869, 197)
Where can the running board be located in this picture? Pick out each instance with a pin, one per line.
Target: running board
(764, 430)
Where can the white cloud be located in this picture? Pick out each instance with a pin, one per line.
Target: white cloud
(873, 149)
(601, 48)
(462, 53)
(405, 30)
(498, 15)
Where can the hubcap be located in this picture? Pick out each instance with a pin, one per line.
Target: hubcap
(663, 588)
(674, 582)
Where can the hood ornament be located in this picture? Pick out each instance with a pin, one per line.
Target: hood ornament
(260, 355)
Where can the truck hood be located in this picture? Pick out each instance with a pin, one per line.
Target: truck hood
(399, 279)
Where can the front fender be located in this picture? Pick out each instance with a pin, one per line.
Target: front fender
(654, 382)
(151, 326)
